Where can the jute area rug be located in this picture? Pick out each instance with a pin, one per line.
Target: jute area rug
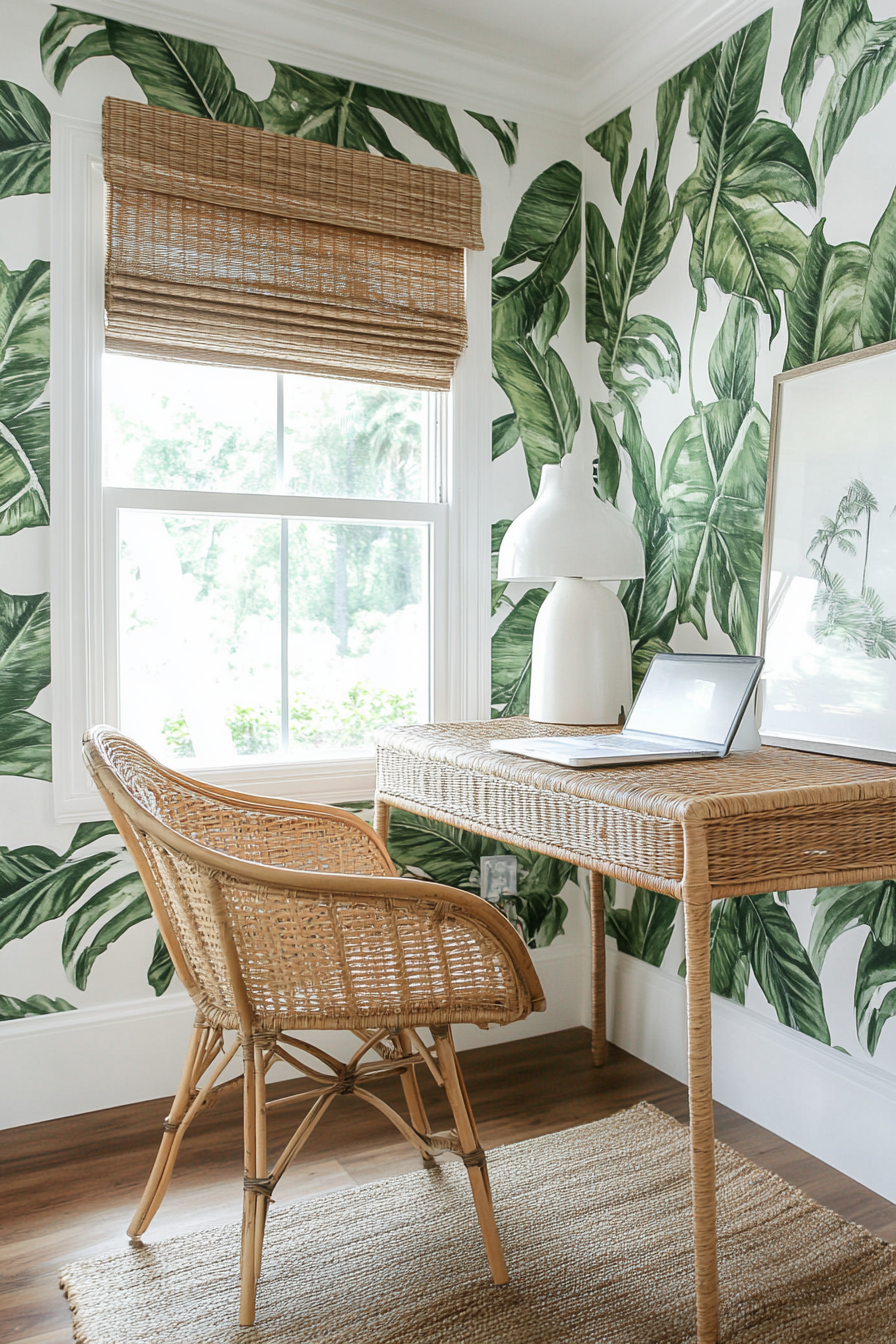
(596, 1227)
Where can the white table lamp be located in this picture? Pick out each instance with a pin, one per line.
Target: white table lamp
(581, 650)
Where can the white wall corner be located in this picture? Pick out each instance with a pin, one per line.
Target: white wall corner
(636, 67)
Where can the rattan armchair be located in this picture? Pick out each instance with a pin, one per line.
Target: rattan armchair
(284, 917)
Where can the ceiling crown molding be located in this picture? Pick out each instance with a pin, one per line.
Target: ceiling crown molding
(342, 40)
(346, 43)
(635, 68)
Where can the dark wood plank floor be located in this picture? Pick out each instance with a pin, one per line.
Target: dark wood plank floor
(68, 1187)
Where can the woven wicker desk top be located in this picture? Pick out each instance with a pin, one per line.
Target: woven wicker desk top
(771, 818)
(745, 782)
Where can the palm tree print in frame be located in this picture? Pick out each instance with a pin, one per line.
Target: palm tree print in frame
(830, 627)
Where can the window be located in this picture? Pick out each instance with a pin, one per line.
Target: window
(140, 516)
(270, 547)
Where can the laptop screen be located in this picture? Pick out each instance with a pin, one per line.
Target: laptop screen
(692, 695)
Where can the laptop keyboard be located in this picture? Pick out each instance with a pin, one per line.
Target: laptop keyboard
(620, 746)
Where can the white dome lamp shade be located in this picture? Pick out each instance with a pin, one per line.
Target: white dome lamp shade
(581, 651)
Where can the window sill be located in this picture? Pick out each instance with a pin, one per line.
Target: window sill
(350, 779)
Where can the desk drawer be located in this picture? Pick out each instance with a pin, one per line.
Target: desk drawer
(811, 846)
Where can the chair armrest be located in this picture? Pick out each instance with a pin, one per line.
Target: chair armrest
(412, 892)
(408, 952)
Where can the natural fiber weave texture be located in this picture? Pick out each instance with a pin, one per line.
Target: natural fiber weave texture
(596, 1225)
(772, 817)
(233, 245)
(324, 839)
(306, 900)
(151, 149)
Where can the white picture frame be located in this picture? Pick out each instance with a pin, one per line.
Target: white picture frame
(828, 588)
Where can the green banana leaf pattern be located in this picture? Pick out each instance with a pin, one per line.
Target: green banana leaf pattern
(746, 165)
(339, 112)
(193, 78)
(611, 142)
(863, 58)
(870, 905)
(824, 308)
(173, 72)
(512, 656)
(24, 442)
(24, 415)
(24, 142)
(756, 935)
(421, 847)
(528, 310)
(645, 929)
(507, 134)
(38, 885)
(529, 306)
(699, 501)
(36, 1005)
(24, 672)
(498, 588)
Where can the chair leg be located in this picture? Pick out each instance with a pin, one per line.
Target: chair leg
(163, 1167)
(257, 1183)
(474, 1157)
(412, 1097)
(248, 1277)
(261, 1152)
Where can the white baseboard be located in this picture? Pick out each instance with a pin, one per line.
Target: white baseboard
(94, 1058)
(839, 1109)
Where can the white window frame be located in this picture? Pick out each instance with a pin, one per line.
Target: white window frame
(84, 686)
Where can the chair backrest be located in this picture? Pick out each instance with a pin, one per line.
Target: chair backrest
(261, 945)
(281, 832)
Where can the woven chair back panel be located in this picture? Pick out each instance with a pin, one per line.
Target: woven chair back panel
(311, 842)
(362, 962)
(188, 895)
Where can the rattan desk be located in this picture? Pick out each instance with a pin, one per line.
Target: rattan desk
(696, 830)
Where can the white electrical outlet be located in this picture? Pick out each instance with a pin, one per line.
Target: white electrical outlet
(498, 877)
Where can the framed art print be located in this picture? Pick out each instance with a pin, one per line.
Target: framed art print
(828, 597)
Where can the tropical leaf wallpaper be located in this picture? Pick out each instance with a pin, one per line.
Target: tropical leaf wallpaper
(715, 257)
(647, 282)
(78, 896)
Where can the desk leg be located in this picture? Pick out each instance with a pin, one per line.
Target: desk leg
(703, 1163)
(381, 820)
(598, 973)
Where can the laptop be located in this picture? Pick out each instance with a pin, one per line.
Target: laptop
(702, 696)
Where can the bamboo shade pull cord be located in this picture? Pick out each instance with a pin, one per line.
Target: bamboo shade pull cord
(230, 245)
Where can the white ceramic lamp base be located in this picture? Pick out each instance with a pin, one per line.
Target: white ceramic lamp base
(581, 656)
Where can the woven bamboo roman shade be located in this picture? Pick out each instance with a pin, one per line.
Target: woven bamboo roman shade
(230, 245)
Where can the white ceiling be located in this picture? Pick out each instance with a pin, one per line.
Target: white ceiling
(575, 62)
(560, 37)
